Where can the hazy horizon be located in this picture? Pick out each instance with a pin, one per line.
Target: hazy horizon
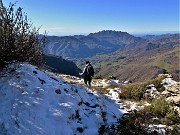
(132, 33)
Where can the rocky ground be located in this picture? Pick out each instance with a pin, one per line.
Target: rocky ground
(171, 94)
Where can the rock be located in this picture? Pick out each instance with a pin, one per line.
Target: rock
(174, 88)
(129, 110)
(168, 82)
(127, 82)
(80, 129)
(166, 93)
(156, 120)
(173, 93)
(168, 75)
(174, 100)
(58, 91)
(151, 92)
(151, 85)
(157, 129)
(177, 109)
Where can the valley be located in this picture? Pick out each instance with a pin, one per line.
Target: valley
(119, 54)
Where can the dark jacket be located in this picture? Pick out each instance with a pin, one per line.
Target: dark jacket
(85, 70)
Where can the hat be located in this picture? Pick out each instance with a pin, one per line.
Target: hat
(87, 62)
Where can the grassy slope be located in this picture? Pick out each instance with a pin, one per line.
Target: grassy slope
(142, 60)
(144, 66)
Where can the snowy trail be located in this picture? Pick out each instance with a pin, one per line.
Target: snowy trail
(36, 102)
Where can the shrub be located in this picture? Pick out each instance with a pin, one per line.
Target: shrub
(172, 117)
(174, 130)
(136, 123)
(132, 124)
(158, 107)
(19, 40)
(136, 91)
(133, 91)
(98, 77)
(158, 83)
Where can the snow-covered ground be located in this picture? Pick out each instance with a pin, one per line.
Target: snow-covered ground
(95, 82)
(34, 102)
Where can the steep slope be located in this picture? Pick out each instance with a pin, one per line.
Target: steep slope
(67, 47)
(36, 102)
(57, 64)
(75, 47)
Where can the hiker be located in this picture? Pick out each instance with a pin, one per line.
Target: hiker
(88, 73)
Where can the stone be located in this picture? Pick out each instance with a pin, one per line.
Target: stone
(166, 93)
(151, 92)
(177, 109)
(174, 88)
(175, 100)
(168, 82)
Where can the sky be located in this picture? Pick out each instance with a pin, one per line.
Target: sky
(69, 17)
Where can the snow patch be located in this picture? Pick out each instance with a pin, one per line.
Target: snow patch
(36, 102)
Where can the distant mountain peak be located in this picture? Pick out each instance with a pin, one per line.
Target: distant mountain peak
(80, 46)
(108, 32)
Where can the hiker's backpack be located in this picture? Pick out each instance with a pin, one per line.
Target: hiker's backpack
(90, 70)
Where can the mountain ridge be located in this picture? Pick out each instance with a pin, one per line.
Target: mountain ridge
(140, 61)
(121, 54)
(74, 47)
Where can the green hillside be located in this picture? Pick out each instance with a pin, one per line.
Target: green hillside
(141, 61)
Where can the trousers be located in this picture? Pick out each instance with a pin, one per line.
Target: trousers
(87, 80)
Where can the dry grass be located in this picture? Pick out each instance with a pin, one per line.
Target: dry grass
(100, 89)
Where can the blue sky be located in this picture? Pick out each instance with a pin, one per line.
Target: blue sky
(64, 17)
